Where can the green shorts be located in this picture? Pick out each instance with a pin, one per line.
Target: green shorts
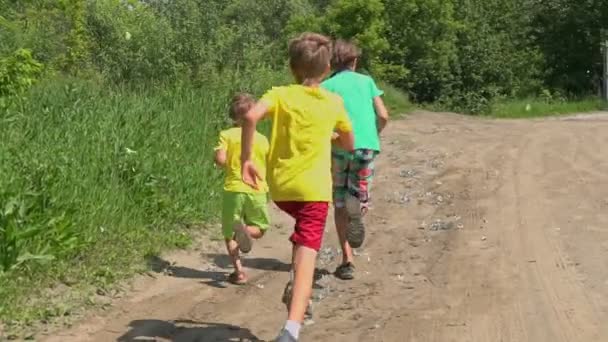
(248, 208)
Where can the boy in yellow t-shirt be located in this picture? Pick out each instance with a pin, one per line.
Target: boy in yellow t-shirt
(244, 209)
(304, 118)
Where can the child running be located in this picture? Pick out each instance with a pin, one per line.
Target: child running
(353, 171)
(244, 209)
(304, 118)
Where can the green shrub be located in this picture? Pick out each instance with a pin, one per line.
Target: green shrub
(18, 73)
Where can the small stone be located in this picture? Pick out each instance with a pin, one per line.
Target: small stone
(260, 286)
(483, 238)
(408, 173)
(376, 326)
(441, 225)
(308, 322)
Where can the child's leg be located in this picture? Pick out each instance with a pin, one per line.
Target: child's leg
(307, 238)
(340, 163)
(304, 269)
(256, 216)
(361, 170)
(342, 220)
(232, 211)
(239, 276)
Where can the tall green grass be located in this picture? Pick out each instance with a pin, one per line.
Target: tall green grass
(528, 108)
(396, 100)
(93, 178)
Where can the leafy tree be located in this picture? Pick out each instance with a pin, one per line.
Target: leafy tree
(422, 36)
(569, 33)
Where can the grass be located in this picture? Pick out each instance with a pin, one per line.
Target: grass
(94, 179)
(396, 100)
(528, 108)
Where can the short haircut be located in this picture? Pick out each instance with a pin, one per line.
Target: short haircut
(239, 106)
(344, 55)
(309, 56)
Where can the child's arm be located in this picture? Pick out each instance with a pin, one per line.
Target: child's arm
(345, 140)
(343, 134)
(381, 113)
(249, 172)
(220, 157)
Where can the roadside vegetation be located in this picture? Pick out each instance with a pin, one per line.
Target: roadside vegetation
(109, 110)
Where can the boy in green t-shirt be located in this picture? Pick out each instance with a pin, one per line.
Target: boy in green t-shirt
(353, 171)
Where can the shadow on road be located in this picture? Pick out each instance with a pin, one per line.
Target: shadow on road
(216, 279)
(264, 264)
(184, 331)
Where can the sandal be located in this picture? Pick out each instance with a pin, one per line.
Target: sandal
(345, 271)
(237, 278)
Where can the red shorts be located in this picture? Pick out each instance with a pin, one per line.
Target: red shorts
(310, 222)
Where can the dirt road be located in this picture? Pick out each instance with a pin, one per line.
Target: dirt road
(480, 231)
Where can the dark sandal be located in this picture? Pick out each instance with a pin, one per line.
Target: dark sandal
(237, 278)
(345, 271)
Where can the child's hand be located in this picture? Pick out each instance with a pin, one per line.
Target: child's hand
(334, 136)
(250, 174)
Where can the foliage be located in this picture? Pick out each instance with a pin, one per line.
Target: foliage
(359, 20)
(569, 33)
(422, 35)
(396, 100)
(108, 108)
(94, 178)
(17, 74)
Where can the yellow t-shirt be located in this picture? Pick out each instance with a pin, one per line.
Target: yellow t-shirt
(299, 161)
(230, 140)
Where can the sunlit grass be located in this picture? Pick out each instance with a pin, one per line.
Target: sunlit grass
(528, 108)
(98, 178)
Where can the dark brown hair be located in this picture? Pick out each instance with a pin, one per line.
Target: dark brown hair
(344, 56)
(309, 56)
(240, 105)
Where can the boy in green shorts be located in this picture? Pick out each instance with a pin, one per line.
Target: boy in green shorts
(353, 171)
(244, 209)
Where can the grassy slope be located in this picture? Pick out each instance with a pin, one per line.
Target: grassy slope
(528, 108)
(396, 101)
(104, 177)
(99, 178)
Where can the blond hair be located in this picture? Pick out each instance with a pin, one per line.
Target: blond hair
(239, 106)
(310, 56)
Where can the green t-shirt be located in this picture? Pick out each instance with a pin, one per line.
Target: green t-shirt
(358, 92)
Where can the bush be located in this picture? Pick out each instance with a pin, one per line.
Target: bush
(18, 73)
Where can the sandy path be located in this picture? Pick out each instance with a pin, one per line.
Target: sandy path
(480, 231)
